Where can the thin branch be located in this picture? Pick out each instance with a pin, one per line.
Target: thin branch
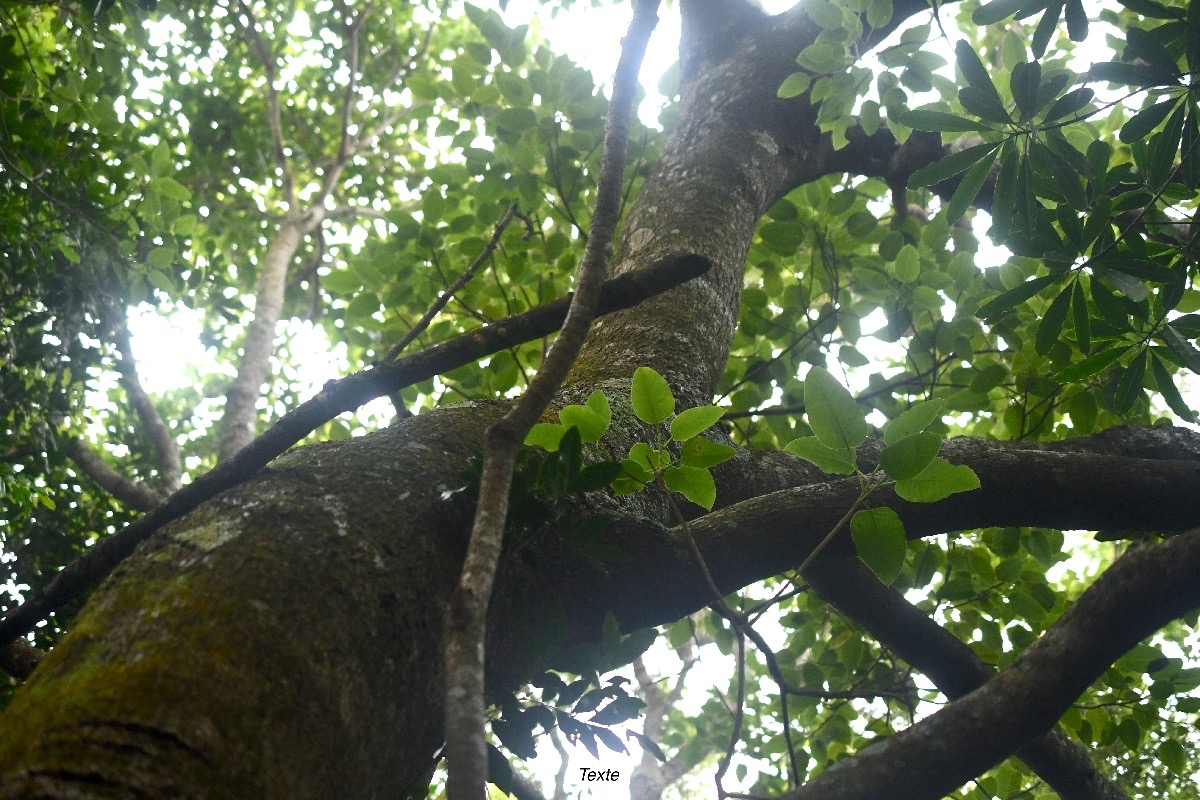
(253, 38)
(169, 461)
(466, 611)
(461, 281)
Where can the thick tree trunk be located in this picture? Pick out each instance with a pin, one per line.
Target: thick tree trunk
(284, 641)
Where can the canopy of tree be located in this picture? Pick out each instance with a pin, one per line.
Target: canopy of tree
(933, 523)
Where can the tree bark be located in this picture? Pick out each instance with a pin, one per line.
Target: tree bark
(284, 640)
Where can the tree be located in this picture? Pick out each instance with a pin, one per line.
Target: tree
(285, 637)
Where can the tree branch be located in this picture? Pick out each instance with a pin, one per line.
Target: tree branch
(466, 610)
(1141, 592)
(132, 493)
(335, 398)
(165, 447)
(953, 667)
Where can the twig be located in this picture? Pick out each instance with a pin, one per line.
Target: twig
(466, 610)
(461, 281)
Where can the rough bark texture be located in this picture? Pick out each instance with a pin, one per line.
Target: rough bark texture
(283, 641)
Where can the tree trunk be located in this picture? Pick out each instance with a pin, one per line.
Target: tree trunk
(284, 640)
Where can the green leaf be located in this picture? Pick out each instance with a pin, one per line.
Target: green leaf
(829, 459)
(794, 85)
(1129, 387)
(1024, 82)
(1182, 347)
(1015, 296)
(908, 264)
(950, 166)
(937, 482)
(1083, 325)
(590, 424)
(596, 476)
(1069, 103)
(997, 10)
(910, 456)
(517, 120)
(1131, 74)
(983, 105)
(913, 421)
(1077, 21)
(989, 378)
(693, 483)
(1146, 120)
(834, 416)
(1130, 286)
(700, 452)
(1090, 365)
(1045, 28)
(694, 421)
(968, 190)
(651, 396)
(930, 120)
(972, 68)
(1166, 387)
(545, 435)
(169, 187)
(879, 538)
(1172, 755)
(1050, 328)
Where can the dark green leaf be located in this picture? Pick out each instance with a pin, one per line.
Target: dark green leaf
(1045, 28)
(1130, 286)
(1182, 347)
(648, 745)
(1051, 87)
(1077, 21)
(1051, 325)
(1166, 387)
(1090, 365)
(1129, 387)
(596, 476)
(1109, 305)
(1083, 335)
(1146, 120)
(1149, 48)
(1149, 8)
(1024, 82)
(930, 120)
(499, 770)
(1015, 296)
(950, 165)
(972, 68)
(1131, 74)
(1191, 37)
(1069, 103)
(1005, 192)
(619, 710)
(983, 105)
(968, 190)
(997, 10)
